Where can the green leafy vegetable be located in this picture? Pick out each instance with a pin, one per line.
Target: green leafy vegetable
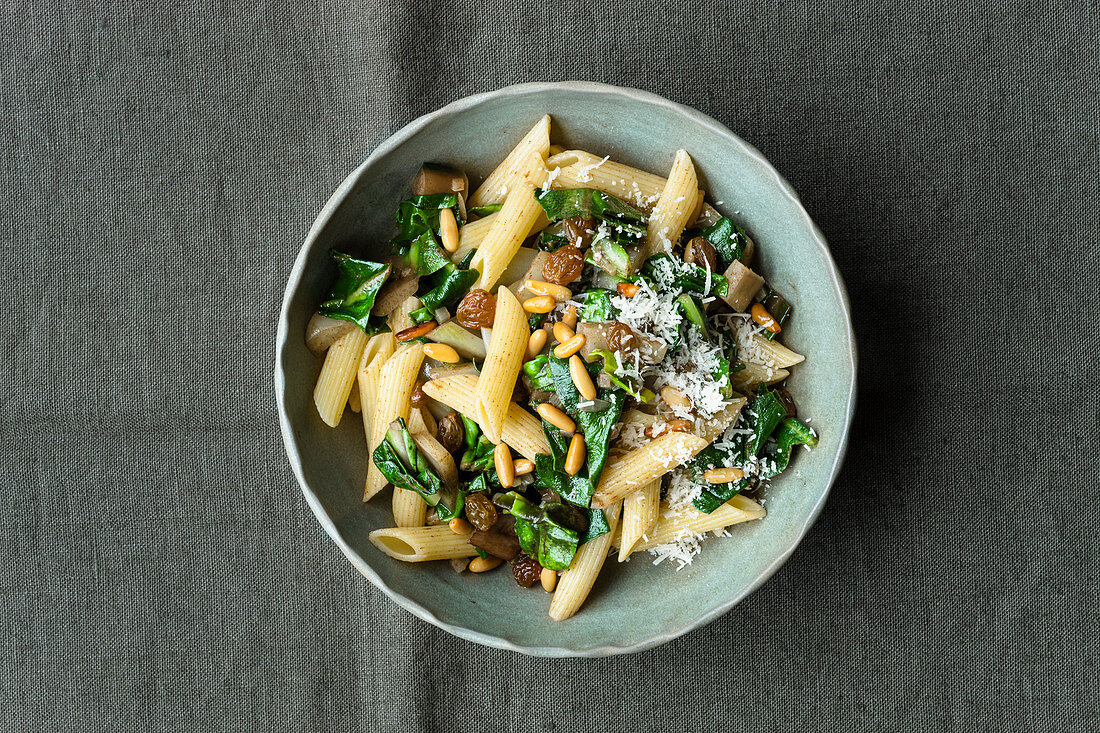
(446, 287)
(713, 496)
(550, 470)
(765, 412)
(538, 371)
(535, 320)
(692, 311)
(484, 210)
(662, 268)
(597, 525)
(357, 284)
(568, 203)
(791, 432)
(553, 532)
(611, 367)
(412, 474)
(596, 305)
(418, 229)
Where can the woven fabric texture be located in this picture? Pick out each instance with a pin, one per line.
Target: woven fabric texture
(162, 162)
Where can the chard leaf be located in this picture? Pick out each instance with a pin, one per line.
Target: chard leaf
(568, 203)
(485, 210)
(538, 371)
(597, 525)
(596, 426)
(416, 476)
(596, 305)
(357, 284)
(729, 241)
(447, 286)
(791, 432)
(765, 412)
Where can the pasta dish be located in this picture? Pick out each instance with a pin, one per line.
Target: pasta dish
(572, 360)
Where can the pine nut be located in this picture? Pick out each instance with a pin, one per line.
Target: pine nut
(723, 475)
(536, 342)
(675, 397)
(523, 467)
(628, 290)
(557, 292)
(563, 332)
(540, 304)
(484, 564)
(566, 349)
(569, 318)
(582, 380)
(556, 417)
(549, 580)
(441, 352)
(448, 230)
(574, 457)
(760, 315)
(460, 526)
(415, 332)
(502, 461)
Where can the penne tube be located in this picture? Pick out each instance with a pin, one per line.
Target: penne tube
(576, 583)
(420, 544)
(368, 399)
(640, 511)
(522, 431)
(674, 208)
(503, 360)
(395, 388)
(635, 469)
(354, 401)
(775, 353)
(581, 169)
(400, 318)
(711, 427)
(471, 235)
(421, 421)
(673, 526)
(337, 374)
(409, 509)
(753, 374)
(516, 166)
(512, 225)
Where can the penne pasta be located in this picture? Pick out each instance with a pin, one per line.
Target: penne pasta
(633, 470)
(516, 166)
(716, 424)
(669, 528)
(576, 583)
(400, 318)
(753, 374)
(395, 387)
(409, 509)
(421, 421)
(775, 353)
(471, 235)
(522, 431)
(420, 544)
(368, 397)
(512, 225)
(674, 208)
(580, 169)
(640, 511)
(337, 374)
(354, 401)
(503, 360)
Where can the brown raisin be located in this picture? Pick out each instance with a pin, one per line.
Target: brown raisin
(563, 266)
(701, 252)
(477, 310)
(620, 337)
(418, 398)
(481, 512)
(579, 230)
(526, 571)
(451, 433)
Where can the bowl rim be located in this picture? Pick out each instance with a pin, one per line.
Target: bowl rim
(403, 135)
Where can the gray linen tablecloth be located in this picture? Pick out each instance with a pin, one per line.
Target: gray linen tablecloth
(162, 162)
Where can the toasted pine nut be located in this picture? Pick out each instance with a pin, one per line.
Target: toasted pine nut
(502, 461)
(460, 526)
(628, 290)
(574, 457)
(538, 287)
(484, 564)
(562, 332)
(582, 380)
(675, 397)
(523, 467)
(414, 332)
(566, 349)
(540, 304)
(448, 230)
(569, 318)
(556, 417)
(723, 475)
(549, 579)
(760, 315)
(536, 342)
(442, 352)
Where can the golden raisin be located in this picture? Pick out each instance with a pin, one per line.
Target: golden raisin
(620, 337)
(563, 266)
(701, 252)
(526, 571)
(481, 512)
(579, 230)
(477, 310)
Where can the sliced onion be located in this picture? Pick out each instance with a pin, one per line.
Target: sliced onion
(461, 339)
(441, 315)
(322, 332)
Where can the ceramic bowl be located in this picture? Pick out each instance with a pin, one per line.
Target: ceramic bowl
(634, 605)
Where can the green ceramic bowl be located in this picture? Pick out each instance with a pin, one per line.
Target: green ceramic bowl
(634, 605)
